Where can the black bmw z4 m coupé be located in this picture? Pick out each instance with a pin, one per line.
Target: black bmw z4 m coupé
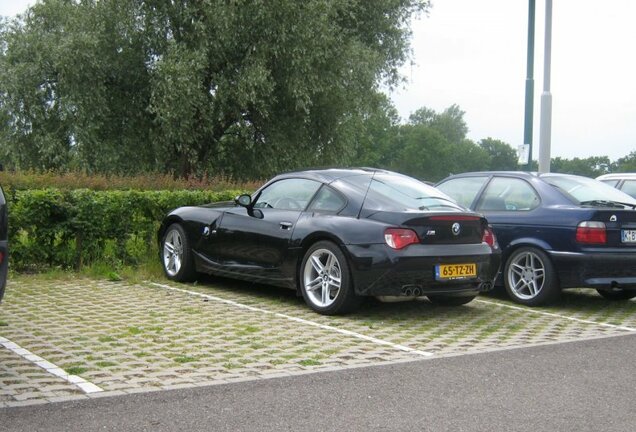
(336, 235)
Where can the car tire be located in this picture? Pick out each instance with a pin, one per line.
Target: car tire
(530, 278)
(446, 300)
(325, 281)
(176, 255)
(617, 294)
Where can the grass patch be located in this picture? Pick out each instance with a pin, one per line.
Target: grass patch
(134, 330)
(185, 359)
(309, 362)
(4, 323)
(106, 339)
(106, 363)
(249, 329)
(76, 370)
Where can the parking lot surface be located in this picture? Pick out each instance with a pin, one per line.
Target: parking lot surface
(81, 338)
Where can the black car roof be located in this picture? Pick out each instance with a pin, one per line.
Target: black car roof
(327, 175)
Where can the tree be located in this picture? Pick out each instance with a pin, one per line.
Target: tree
(502, 157)
(450, 123)
(234, 87)
(626, 164)
(424, 153)
(590, 167)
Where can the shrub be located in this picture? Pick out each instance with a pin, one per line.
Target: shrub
(71, 228)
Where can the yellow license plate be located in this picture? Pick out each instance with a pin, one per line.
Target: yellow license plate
(455, 271)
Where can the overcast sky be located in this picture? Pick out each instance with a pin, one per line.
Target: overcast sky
(473, 53)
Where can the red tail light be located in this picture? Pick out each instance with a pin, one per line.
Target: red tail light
(489, 237)
(1, 257)
(399, 238)
(590, 232)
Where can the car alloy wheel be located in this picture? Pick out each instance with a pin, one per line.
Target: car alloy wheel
(530, 278)
(172, 252)
(325, 281)
(322, 278)
(176, 256)
(526, 274)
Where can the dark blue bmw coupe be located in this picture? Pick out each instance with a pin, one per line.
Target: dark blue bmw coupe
(556, 231)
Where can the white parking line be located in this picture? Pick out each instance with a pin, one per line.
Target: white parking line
(553, 315)
(299, 320)
(81, 383)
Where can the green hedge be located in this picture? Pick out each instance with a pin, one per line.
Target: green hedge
(71, 228)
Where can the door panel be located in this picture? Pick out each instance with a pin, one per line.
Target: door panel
(242, 239)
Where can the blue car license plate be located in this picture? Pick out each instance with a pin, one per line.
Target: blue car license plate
(628, 236)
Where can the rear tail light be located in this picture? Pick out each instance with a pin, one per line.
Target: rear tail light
(489, 237)
(590, 232)
(399, 238)
(1, 257)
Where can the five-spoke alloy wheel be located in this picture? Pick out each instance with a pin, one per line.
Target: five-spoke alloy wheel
(530, 278)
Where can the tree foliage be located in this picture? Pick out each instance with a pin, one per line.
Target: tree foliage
(590, 167)
(244, 88)
(501, 157)
(625, 164)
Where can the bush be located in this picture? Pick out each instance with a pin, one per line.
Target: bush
(72, 228)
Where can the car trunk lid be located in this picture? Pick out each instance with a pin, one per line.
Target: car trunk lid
(438, 228)
(620, 226)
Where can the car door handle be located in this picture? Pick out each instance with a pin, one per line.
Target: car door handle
(285, 225)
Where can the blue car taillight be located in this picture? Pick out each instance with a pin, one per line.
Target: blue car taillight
(591, 232)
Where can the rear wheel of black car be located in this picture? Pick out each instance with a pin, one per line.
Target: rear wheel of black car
(617, 294)
(325, 281)
(530, 278)
(446, 300)
(176, 256)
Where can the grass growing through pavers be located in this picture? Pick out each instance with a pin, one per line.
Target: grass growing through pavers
(75, 370)
(131, 330)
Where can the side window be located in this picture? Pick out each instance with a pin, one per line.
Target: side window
(508, 194)
(464, 189)
(288, 194)
(612, 183)
(327, 200)
(629, 187)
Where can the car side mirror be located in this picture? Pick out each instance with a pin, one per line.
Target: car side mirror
(244, 200)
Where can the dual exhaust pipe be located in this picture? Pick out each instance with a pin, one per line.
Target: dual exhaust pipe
(411, 291)
(416, 291)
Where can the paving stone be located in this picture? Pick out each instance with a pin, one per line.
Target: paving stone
(126, 337)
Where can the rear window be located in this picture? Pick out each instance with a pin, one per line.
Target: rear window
(395, 192)
(583, 190)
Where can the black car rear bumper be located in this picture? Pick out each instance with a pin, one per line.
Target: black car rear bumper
(378, 270)
(595, 270)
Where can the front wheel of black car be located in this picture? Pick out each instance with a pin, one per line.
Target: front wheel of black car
(325, 281)
(617, 294)
(530, 278)
(176, 256)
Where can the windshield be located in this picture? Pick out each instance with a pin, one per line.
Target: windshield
(394, 192)
(583, 190)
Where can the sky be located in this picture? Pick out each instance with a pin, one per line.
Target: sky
(473, 54)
